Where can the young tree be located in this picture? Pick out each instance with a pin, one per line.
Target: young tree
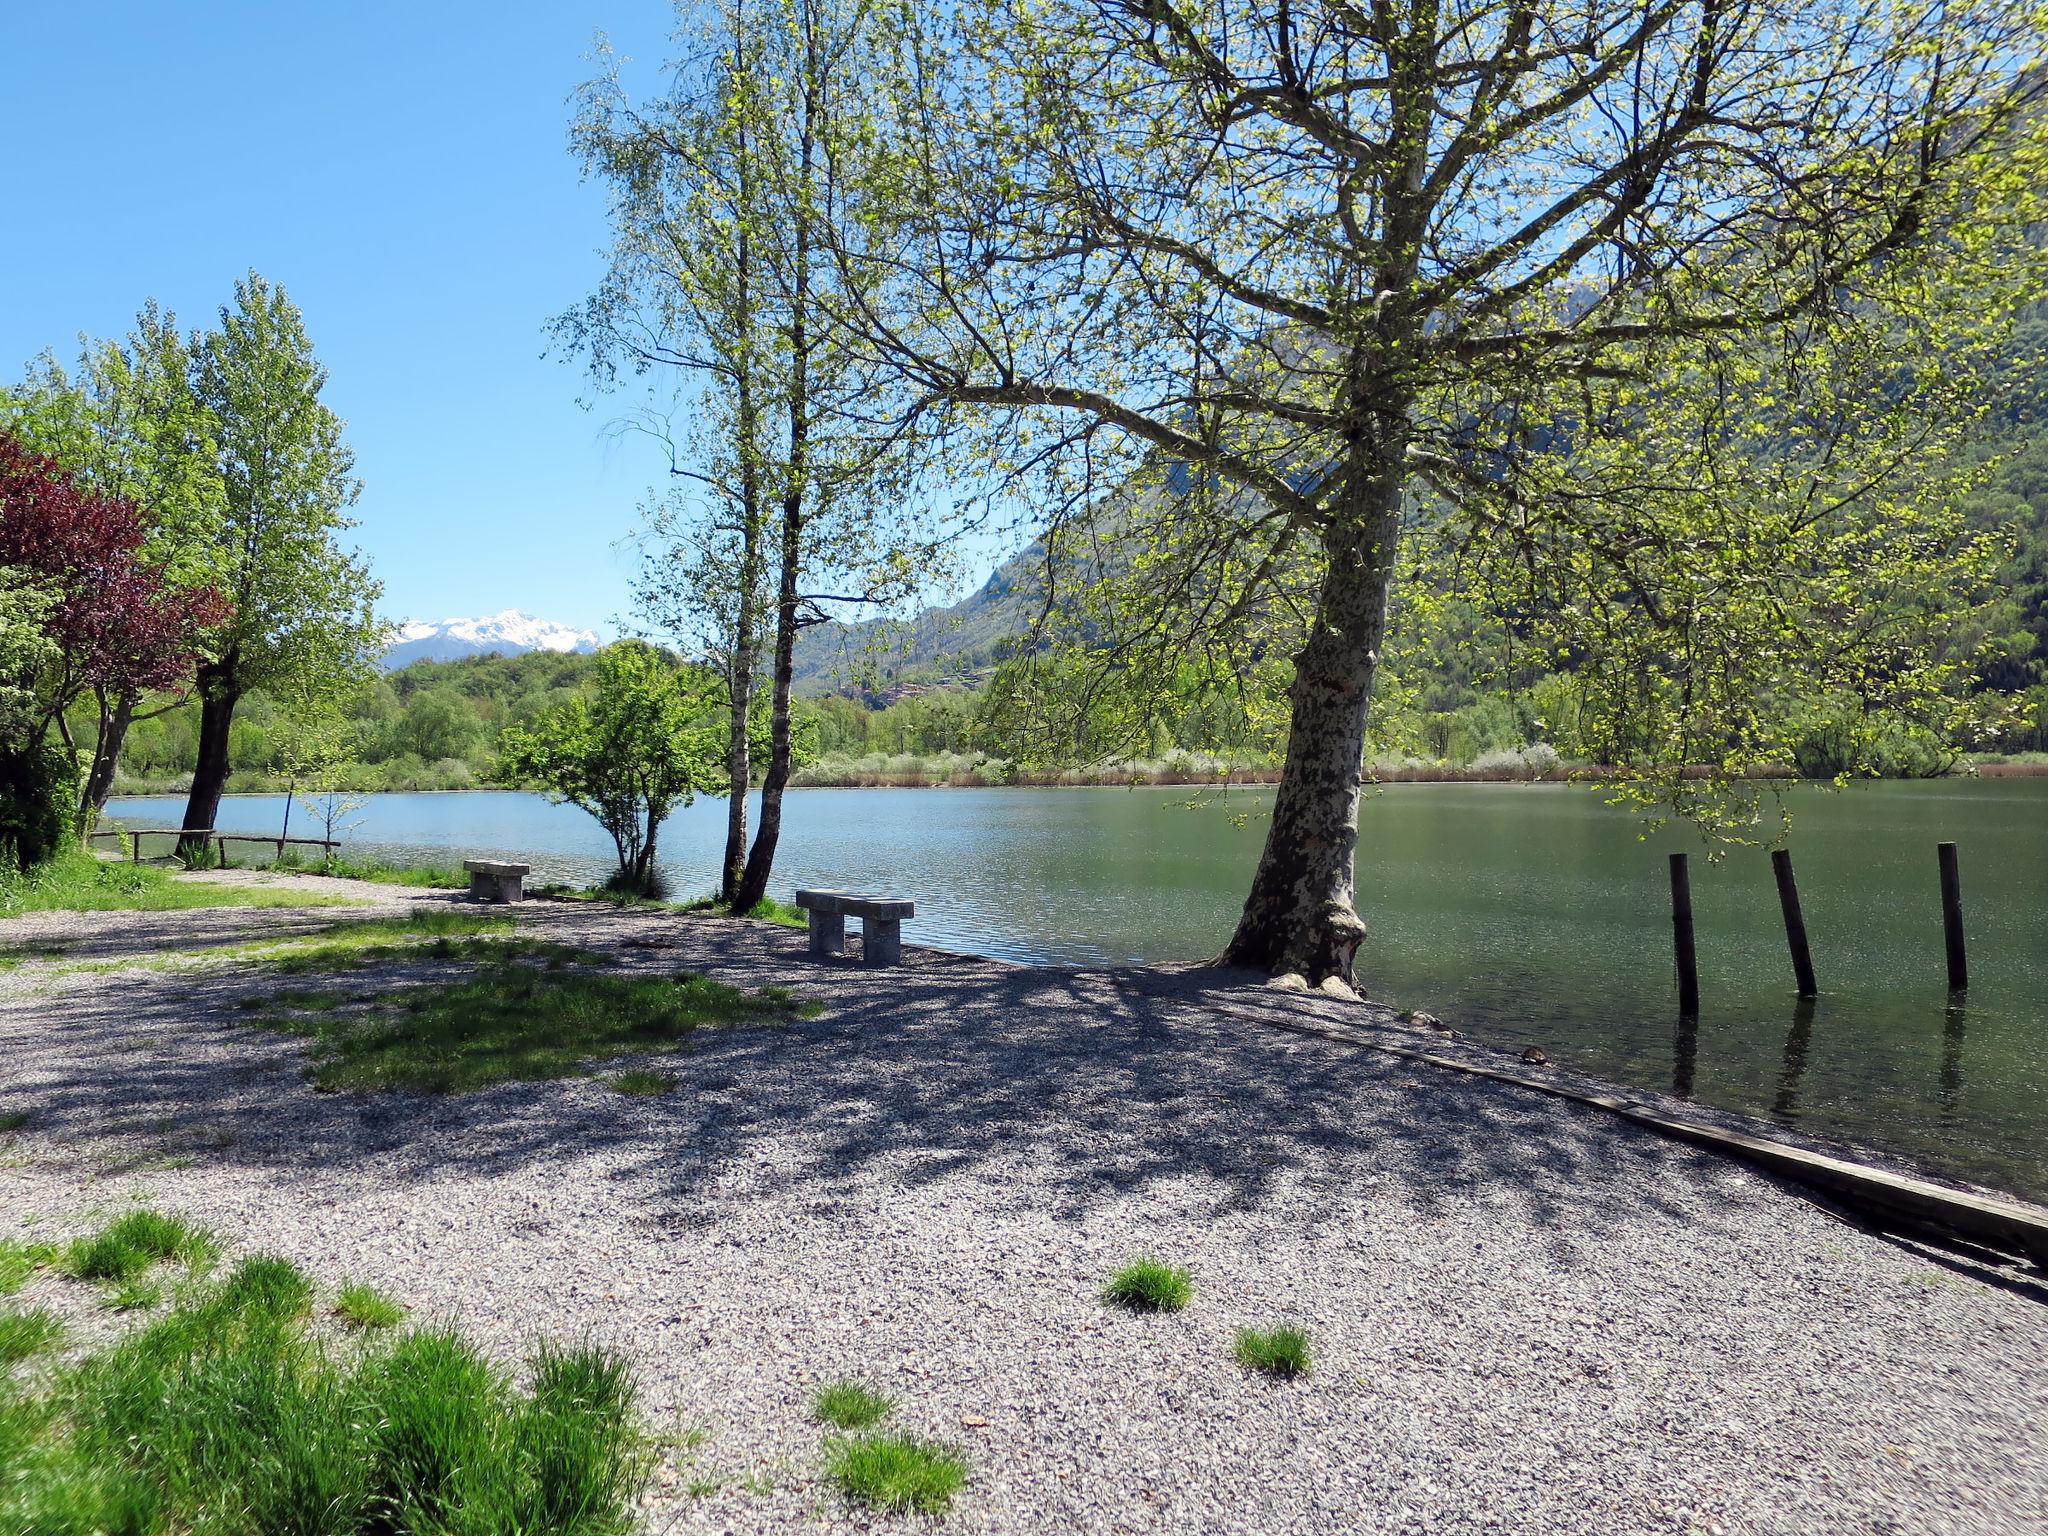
(1321, 283)
(628, 753)
(721, 189)
(303, 606)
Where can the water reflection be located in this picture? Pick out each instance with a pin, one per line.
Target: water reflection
(1785, 1105)
(1685, 1055)
(1952, 1022)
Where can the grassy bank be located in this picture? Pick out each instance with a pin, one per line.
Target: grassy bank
(79, 882)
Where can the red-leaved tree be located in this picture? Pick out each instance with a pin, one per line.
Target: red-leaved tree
(115, 622)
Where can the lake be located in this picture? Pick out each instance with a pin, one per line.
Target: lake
(1517, 913)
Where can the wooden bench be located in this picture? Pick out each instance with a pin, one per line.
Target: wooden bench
(881, 923)
(495, 880)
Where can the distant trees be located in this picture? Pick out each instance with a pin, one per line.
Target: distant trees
(628, 752)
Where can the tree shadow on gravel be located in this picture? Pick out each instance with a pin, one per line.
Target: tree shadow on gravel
(1057, 1090)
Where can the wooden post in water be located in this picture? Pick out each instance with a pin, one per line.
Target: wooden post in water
(1795, 923)
(1952, 919)
(1681, 937)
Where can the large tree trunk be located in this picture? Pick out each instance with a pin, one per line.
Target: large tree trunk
(1299, 915)
(115, 717)
(218, 695)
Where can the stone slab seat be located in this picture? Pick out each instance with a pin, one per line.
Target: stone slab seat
(496, 880)
(881, 923)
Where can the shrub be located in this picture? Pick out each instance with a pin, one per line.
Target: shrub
(896, 1472)
(1146, 1285)
(1276, 1351)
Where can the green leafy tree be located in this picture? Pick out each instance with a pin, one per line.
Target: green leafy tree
(302, 604)
(127, 421)
(1284, 300)
(628, 752)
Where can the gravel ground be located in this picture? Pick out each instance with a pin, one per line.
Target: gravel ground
(1527, 1317)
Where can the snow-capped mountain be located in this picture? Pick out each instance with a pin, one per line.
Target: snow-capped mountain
(510, 633)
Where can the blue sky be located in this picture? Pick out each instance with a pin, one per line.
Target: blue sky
(403, 170)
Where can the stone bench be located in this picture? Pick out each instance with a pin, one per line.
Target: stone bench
(495, 880)
(881, 923)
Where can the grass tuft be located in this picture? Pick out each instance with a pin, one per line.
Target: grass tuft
(366, 1309)
(1146, 1285)
(643, 1084)
(19, 1260)
(896, 1472)
(124, 1249)
(222, 1415)
(15, 1120)
(849, 1405)
(1276, 1351)
(272, 1286)
(137, 1294)
(23, 1334)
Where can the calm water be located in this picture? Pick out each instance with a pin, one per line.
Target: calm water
(1519, 913)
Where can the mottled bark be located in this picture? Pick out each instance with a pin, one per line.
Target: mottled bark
(761, 859)
(1299, 916)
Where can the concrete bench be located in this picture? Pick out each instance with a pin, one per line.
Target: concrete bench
(881, 923)
(495, 880)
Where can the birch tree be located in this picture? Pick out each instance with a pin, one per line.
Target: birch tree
(725, 190)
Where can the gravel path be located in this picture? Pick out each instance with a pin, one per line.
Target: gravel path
(1527, 1317)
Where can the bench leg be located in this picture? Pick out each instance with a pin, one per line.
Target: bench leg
(511, 887)
(881, 940)
(828, 933)
(479, 886)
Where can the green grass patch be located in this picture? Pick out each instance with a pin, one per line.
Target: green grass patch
(269, 1285)
(896, 1472)
(849, 1405)
(136, 1294)
(225, 1414)
(767, 910)
(512, 1022)
(23, 1334)
(643, 1084)
(436, 877)
(1146, 1285)
(126, 1248)
(366, 1309)
(14, 1120)
(19, 1260)
(1275, 1351)
(76, 881)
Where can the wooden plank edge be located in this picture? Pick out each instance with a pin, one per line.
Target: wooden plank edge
(2009, 1226)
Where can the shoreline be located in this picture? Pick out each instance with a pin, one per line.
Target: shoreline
(1563, 778)
(924, 1184)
